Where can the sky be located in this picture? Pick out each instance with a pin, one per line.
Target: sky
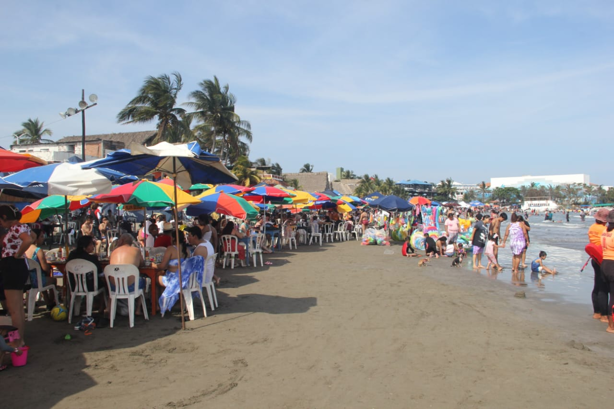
(403, 89)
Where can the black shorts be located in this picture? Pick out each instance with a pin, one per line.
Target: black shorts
(14, 273)
(496, 240)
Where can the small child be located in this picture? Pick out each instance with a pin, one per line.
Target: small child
(537, 265)
(450, 250)
(408, 250)
(489, 251)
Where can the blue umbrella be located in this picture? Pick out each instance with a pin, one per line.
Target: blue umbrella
(392, 203)
(476, 203)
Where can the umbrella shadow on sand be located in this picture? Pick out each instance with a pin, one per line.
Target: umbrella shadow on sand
(270, 304)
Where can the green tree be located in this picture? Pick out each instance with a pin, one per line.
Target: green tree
(507, 195)
(180, 132)
(445, 189)
(348, 174)
(156, 99)
(365, 186)
(221, 126)
(307, 168)
(32, 131)
(469, 196)
(276, 169)
(244, 172)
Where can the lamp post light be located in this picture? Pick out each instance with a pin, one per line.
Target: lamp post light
(82, 107)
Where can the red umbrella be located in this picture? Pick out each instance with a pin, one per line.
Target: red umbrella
(13, 162)
(419, 200)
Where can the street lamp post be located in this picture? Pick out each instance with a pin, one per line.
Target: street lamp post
(82, 107)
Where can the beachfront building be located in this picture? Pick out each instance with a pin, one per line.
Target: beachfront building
(462, 188)
(96, 146)
(418, 188)
(310, 181)
(554, 180)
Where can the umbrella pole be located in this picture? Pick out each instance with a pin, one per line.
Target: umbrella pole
(178, 246)
(65, 226)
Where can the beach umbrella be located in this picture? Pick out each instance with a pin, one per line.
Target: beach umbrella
(200, 186)
(270, 192)
(187, 164)
(13, 162)
(356, 201)
(146, 194)
(228, 189)
(476, 203)
(61, 179)
(222, 203)
(51, 206)
(392, 203)
(345, 207)
(8, 185)
(169, 182)
(373, 196)
(300, 196)
(420, 201)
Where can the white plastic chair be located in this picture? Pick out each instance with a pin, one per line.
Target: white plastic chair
(328, 231)
(118, 275)
(193, 286)
(34, 292)
(208, 280)
(227, 246)
(357, 231)
(72, 232)
(315, 233)
(255, 244)
(79, 268)
(292, 239)
(341, 231)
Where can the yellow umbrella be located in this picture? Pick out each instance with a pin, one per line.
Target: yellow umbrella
(300, 196)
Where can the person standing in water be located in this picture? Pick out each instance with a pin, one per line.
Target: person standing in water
(599, 296)
(607, 266)
(519, 241)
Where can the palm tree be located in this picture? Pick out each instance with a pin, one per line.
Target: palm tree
(181, 131)
(365, 186)
(32, 131)
(156, 99)
(276, 169)
(307, 168)
(446, 189)
(244, 172)
(387, 187)
(294, 183)
(348, 174)
(262, 162)
(215, 108)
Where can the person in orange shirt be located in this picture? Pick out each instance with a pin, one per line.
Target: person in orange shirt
(600, 289)
(607, 266)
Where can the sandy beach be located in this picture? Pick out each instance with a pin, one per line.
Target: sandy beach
(338, 326)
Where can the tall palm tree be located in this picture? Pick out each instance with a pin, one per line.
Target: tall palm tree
(307, 168)
(156, 99)
(276, 169)
(244, 172)
(32, 131)
(181, 131)
(446, 189)
(215, 107)
(348, 174)
(365, 186)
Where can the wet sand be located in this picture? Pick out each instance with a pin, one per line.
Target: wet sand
(341, 326)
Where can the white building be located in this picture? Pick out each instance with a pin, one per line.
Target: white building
(554, 180)
(462, 188)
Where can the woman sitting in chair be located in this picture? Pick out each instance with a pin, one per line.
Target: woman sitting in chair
(232, 230)
(174, 254)
(36, 253)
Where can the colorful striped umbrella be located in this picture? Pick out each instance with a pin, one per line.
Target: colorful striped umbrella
(419, 200)
(228, 189)
(222, 203)
(200, 186)
(146, 194)
(51, 206)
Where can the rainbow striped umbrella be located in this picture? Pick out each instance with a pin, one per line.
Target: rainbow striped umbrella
(222, 203)
(146, 194)
(51, 206)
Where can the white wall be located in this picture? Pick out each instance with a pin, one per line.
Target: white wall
(554, 180)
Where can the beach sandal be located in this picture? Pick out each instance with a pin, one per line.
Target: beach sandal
(268, 263)
(3, 367)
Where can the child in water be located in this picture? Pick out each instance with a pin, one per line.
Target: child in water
(489, 251)
(537, 266)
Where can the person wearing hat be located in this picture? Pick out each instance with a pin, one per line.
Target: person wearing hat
(165, 239)
(607, 266)
(600, 290)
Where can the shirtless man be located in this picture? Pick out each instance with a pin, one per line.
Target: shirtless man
(126, 253)
(495, 231)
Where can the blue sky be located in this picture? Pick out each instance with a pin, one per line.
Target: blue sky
(403, 89)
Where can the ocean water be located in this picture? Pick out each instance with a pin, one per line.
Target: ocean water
(564, 243)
